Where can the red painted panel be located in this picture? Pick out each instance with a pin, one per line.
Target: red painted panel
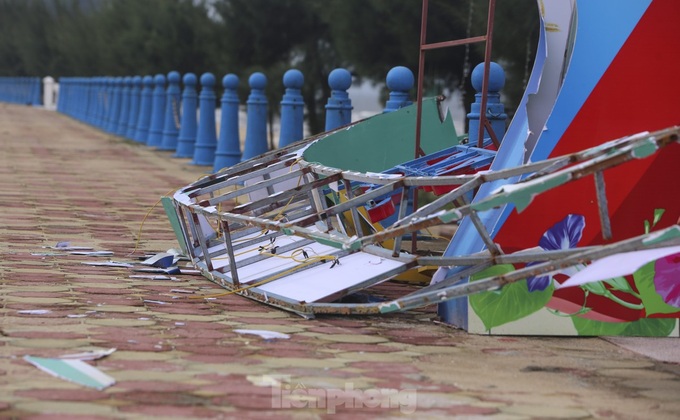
(640, 91)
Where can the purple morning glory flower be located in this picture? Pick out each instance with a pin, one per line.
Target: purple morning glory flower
(564, 234)
(667, 279)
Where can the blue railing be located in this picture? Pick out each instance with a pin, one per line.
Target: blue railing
(175, 113)
(178, 114)
(20, 90)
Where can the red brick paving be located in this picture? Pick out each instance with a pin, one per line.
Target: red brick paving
(63, 180)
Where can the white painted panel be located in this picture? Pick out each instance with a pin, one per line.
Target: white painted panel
(273, 265)
(254, 249)
(319, 282)
(277, 188)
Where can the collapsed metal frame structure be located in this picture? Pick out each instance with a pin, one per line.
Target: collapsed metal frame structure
(278, 205)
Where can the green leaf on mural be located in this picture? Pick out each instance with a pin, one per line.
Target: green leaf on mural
(651, 327)
(653, 302)
(596, 288)
(590, 327)
(619, 283)
(657, 216)
(514, 301)
(645, 327)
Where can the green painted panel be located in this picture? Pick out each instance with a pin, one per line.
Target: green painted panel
(174, 222)
(385, 140)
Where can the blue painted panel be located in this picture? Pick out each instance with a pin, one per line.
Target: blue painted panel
(595, 47)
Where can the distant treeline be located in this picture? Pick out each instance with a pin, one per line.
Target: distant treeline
(368, 37)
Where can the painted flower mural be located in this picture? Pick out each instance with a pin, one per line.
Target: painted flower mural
(564, 234)
(645, 303)
(667, 279)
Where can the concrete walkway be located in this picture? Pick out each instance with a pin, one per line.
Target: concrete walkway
(178, 356)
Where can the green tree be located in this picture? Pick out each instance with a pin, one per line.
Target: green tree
(372, 36)
(155, 36)
(23, 45)
(273, 36)
(125, 37)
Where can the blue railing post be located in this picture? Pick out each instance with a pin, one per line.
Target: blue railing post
(68, 83)
(36, 92)
(135, 97)
(172, 104)
(91, 111)
(339, 105)
(84, 84)
(187, 126)
(105, 98)
(145, 109)
(93, 88)
(79, 100)
(107, 91)
(75, 104)
(157, 112)
(399, 81)
(256, 121)
(292, 108)
(228, 151)
(60, 98)
(124, 106)
(82, 99)
(67, 93)
(495, 111)
(114, 112)
(79, 103)
(98, 101)
(206, 140)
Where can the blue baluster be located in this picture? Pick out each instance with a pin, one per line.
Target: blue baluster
(135, 98)
(124, 106)
(91, 111)
(110, 96)
(187, 126)
(206, 140)
(85, 99)
(75, 96)
(292, 108)
(228, 151)
(145, 109)
(68, 95)
(172, 104)
(35, 91)
(75, 99)
(96, 104)
(63, 88)
(399, 81)
(157, 112)
(78, 100)
(86, 88)
(339, 106)
(114, 112)
(495, 111)
(256, 121)
(104, 99)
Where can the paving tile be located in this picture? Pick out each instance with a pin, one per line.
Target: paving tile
(68, 181)
(348, 338)
(67, 408)
(57, 394)
(50, 343)
(534, 411)
(172, 411)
